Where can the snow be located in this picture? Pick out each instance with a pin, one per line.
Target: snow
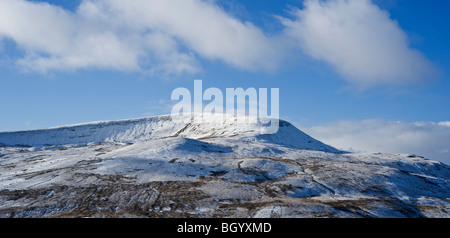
(144, 129)
(234, 167)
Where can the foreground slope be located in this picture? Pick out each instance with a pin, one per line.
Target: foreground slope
(156, 167)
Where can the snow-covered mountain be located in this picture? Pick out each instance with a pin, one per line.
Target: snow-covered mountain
(145, 129)
(160, 167)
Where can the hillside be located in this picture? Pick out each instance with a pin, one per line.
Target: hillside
(159, 167)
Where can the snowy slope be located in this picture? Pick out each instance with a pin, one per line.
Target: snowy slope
(159, 167)
(139, 130)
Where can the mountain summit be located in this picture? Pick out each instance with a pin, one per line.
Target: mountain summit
(145, 129)
(161, 167)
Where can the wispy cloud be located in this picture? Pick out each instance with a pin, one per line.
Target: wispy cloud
(159, 107)
(429, 139)
(359, 40)
(356, 37)
(156, 36)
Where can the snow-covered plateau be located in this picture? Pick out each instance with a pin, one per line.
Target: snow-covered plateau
(162, 167)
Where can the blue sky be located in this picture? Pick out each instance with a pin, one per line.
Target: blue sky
(356, 65)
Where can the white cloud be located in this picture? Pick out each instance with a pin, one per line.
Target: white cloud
(427, 139)
(172, 36)
(159, 107)
(53, 38)
(153, 35)
(203, 27)
(359, 40)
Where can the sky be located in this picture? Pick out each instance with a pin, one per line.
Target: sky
(360, 75)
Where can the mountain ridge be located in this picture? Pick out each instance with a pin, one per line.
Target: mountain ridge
(157, 167)
(143, 129)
